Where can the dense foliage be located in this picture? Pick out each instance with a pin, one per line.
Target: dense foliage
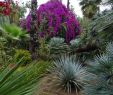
(60, 53)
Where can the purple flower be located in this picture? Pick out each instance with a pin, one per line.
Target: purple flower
(60, 20)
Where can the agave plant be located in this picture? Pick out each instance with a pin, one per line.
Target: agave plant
(70, 74)
(102, 67)
(57, 45)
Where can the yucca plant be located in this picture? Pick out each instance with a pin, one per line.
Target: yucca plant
(13, 83)
(70, 75)
(102, 67)
(17, 80)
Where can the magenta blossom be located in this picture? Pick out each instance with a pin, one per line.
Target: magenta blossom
(57, 20)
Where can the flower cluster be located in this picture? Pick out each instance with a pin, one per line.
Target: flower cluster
(4, 8)
(56, 20)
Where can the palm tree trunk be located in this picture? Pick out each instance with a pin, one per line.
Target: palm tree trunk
(68, 3)
(61, 1)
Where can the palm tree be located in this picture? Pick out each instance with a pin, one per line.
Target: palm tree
(90, 7)
(68, 3)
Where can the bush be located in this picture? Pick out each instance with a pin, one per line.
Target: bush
(22, 54)
(56, 20)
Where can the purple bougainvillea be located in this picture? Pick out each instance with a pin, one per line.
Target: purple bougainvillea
(55, 19)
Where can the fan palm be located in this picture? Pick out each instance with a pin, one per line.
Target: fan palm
(14, 32)
(90, 7)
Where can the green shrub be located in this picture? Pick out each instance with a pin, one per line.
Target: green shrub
(39, 69)
(43, 50)
(22, 53)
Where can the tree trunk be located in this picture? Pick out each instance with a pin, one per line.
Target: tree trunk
(68, 3)
(61, 1)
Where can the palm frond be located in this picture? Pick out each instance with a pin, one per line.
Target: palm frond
(14, 32)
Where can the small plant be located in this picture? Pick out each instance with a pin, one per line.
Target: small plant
(22, 53)
(58, 46)
(70, 74)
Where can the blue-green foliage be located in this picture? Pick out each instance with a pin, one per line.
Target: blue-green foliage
(102, 67)
(70, 74)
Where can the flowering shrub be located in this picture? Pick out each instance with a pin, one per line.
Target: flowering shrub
(4, 8)
(54, 19)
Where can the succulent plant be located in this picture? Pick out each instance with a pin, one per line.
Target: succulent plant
(70, 74)
(58, 46)
(102, 67)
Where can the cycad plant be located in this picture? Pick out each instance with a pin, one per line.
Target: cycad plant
(102, 67)
(70, 75)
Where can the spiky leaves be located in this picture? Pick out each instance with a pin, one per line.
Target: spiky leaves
(18, 80)
(69, 74)
(58, 46)
(102, 67)
(13, 83)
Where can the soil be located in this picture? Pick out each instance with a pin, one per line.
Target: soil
(47, 87)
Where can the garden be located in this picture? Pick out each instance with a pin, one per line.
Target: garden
(53, 51)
